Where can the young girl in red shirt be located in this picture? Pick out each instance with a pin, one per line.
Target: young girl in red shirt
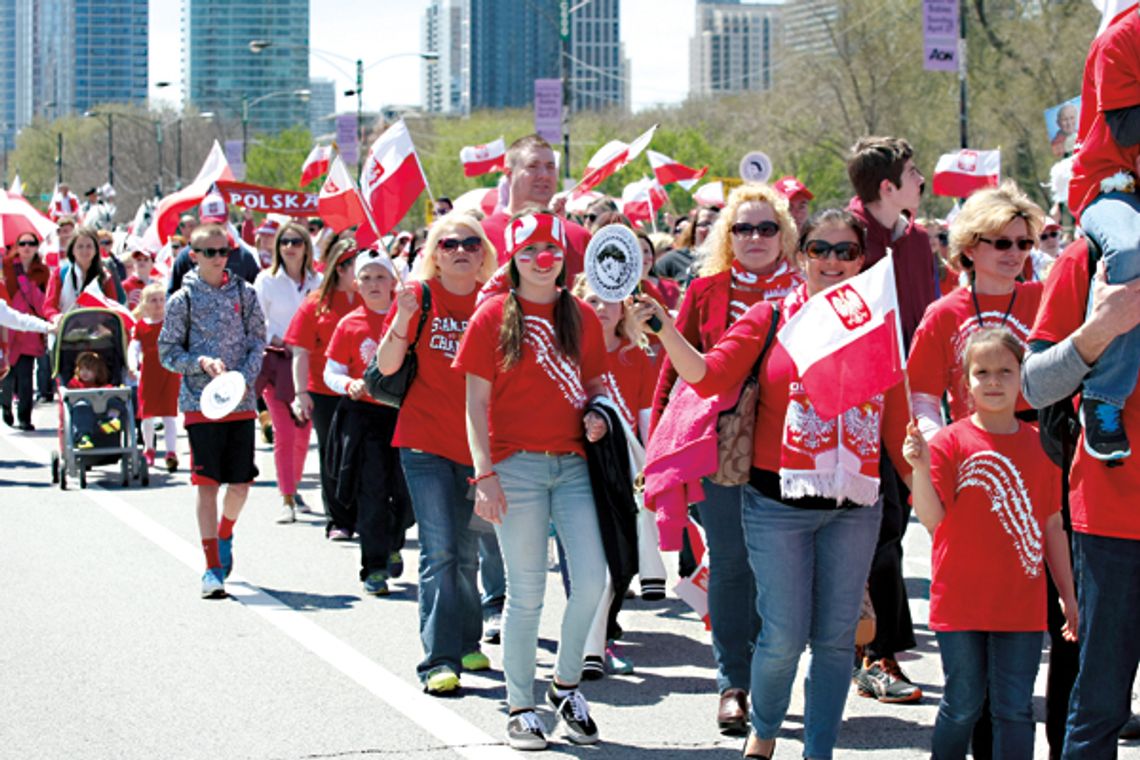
(86, 430)
(982, 487)
(158, 386)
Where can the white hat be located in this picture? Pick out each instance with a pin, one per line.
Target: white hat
(372, 257)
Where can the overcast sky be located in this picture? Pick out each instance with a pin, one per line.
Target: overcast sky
(656, 35)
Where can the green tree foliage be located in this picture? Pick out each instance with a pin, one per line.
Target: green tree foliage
(276, 161)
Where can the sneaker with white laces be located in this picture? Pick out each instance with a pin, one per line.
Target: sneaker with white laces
(1105, 438)
(212, 585)
(572, 709)
(884, 680)
(524, 731)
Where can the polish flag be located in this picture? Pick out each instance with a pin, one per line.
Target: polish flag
(710, 194)
(641, 200)
(339, 202)
(667, 170)
(1112, 11)
(170, 208)
(392, 177)
(484, 159)
(961, 173)
(846, 342)
(93, 297)
(610, 158)
(316, 164)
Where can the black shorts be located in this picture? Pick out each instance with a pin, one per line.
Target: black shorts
(221, 452)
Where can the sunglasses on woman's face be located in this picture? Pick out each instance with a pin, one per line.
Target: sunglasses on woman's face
(27, 244)
(291, 241)
(821, 249)
(1004, 243)
(470, 244)
(764, 229)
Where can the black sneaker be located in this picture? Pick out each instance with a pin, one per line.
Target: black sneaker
(593, 668)
(1105, 438)
(572, 709)
(524, 731)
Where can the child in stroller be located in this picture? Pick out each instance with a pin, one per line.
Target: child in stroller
(91, 372)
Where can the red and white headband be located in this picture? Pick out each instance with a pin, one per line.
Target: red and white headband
(535, 229)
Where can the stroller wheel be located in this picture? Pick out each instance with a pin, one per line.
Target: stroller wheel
(55, 467)
(62, 478)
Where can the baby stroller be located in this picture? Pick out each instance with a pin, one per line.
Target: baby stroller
(103, 332)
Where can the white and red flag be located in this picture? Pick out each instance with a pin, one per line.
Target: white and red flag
(484, 159)
(960, 173)
(93, 297)
(339, 203)
(170, 208)
(667, 170)
(1112, 11)
(392, 178)
(316, 164)
(610, 158)
(846, 342)
(641, 200)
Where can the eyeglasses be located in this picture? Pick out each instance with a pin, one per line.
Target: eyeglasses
(764, 229)
(944, 238)
(1050, 235)
(28, 243)
(1004, 243)
(472, 244)
(292, 241)
(210, 253)
(821, 249)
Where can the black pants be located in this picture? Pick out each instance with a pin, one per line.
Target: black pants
(339, 515)
(1064, 662)
(382, 502)
(43, 377)
(894, 629)
(18, 384)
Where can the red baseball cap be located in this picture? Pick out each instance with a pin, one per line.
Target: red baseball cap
(790, 187)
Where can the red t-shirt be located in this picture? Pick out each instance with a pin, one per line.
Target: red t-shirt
(577, 238)
(355, 340)
(1111, 81)
(433, 417)
(312, 332)
(1102, 499)
(629, 379)
(538, 404)
(988, 557)
(935, 361)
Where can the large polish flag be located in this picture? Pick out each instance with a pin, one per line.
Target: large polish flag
(641, 200)
(214, 169)
(484, 159)
(610, 158)
(846, 342)
(960, 173)
(392, 177)
(339, 202)
(316, 163)
(667, 170)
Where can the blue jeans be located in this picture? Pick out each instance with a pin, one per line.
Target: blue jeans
(541, 488)
(1006, 665)
(732, 592)
(450, 620)
(491, 574)
(811, 566)
(1113, 221)
(1107, 572)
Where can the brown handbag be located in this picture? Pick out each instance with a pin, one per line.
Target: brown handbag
(736, 427)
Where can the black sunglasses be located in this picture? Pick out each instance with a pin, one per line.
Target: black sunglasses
(292, 241)
(210, 253)
(1050, 235)
(473, 243)
(1004, 243)
(821, 249)
(28, 243)
(944, 238)
(765, 229)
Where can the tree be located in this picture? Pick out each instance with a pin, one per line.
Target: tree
(276, 161)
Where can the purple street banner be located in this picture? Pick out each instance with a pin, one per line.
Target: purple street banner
(346, 141)
(548, 109)
(940, 35)
(233, 150)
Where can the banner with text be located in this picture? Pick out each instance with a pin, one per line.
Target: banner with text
(346, 138)
(548, 110)
(940, 34)
(269, 200)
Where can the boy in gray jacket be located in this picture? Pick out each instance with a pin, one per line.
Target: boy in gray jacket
(214, 324)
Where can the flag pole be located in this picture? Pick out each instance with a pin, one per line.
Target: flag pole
(902, 348)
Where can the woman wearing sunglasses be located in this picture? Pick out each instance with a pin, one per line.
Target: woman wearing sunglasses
(431, 434)
(990, 240)
(811, 509)
(308, 336)
(26, 278)
(750, 260)
(281, 289)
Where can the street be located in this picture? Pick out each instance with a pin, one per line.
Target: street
(108, 651)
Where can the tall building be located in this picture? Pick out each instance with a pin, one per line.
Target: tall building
(808, 24)
(16, 66)
(491, 51)
(322, 105)
(223, 74)
(734, 47)
(110, 52)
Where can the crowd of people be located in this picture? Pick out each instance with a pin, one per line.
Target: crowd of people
(466, 379)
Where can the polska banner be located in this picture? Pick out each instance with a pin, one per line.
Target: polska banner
(268, 199)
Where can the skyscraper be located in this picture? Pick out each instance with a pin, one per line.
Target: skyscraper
(322, 105)
(220, 70)
(16, 65)
(110, 52)
(598, 69)
(808, 25)
(734, 47)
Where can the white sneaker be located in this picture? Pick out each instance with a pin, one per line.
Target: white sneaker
(286, 515)
(212, 585)
(524, 731)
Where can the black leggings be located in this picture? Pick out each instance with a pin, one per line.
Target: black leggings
(19, 384)
(339, 515)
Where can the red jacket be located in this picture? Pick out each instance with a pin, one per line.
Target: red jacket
(55, 288)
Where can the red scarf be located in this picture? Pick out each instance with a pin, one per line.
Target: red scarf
(837, 458)
(749, 288)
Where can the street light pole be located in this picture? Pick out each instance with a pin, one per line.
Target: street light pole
(59, 158)
(359, 118)
(110, 149)
(564, 61)
(244, 127)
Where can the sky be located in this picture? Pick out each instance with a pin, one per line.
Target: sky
(658, 52)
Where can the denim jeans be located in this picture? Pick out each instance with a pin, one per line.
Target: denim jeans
(811, 566)
(1112, 220)
(1005, 664)
(732, 592)
(541, 488)
(1107, 572)
(492, 578)
(450, 620)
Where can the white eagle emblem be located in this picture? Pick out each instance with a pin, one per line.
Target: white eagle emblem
(806, 428)
(862, 426)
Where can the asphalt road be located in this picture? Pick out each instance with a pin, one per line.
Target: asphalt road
(106, 651)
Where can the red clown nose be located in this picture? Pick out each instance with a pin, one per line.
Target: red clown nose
(544, 260)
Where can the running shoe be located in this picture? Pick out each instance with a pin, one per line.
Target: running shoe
(1105, 438)
(524, 731)
(171, 462)
(339, 534)
(286, 515)
(111, 425)
(441, 680)
(226, 554)
(376, 583)
(84, 443)
(884, 680)
(615, 663)
(212, 585)
(574, 712)
(395, 565)
(473, 661)
(493, 628)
